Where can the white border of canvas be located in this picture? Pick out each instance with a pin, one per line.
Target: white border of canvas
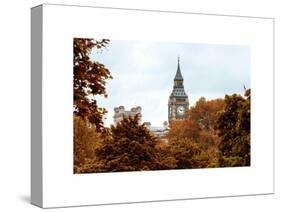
(62, 188)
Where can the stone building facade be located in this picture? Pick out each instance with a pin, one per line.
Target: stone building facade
(178, 102)
(120, 113)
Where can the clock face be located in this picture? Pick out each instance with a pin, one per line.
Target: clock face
(180, 110)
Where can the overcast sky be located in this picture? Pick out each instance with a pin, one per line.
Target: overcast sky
(143, 74)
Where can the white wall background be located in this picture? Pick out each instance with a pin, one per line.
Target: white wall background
(15, 98)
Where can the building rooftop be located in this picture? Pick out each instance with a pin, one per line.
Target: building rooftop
(178, 74)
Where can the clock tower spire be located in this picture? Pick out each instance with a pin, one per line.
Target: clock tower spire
(178, 100)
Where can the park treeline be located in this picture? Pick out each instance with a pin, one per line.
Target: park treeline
(215, 133)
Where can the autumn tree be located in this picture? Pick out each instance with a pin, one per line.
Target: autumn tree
(186, 152)
(181, 129)
(84, 140)
(130, 147)
(89, 79)
(165, 157)
(205, 112)
(234, 129)
(199, 123)
(194, 140)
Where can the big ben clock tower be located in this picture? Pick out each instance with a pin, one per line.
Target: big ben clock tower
(178, 100)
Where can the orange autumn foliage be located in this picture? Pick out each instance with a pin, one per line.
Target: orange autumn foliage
(89, 80)
(84, 141)
(194, 138)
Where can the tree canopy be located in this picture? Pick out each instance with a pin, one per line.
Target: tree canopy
(234, 129)
(194, 140)
(89, 80)
(130, 147)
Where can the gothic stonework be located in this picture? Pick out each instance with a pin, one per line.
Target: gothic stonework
(120, 113)
(178, 101)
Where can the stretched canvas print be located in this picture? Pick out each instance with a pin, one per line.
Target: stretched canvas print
(146, 105)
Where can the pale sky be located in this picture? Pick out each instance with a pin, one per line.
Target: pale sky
(143, 74)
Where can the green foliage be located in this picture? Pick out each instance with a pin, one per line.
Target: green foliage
(234, 129)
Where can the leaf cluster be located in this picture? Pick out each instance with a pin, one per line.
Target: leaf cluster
(234, 129)
(89, 80)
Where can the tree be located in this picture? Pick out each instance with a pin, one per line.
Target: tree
(234, 129)
(205, 112)
(186, 152)
(130, 147)
(184, 129)
(194, 140)
(89, 79)
(165, 157)
(84, 141)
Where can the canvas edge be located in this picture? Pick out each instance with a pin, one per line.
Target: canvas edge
(36, 106)
(157, 10)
